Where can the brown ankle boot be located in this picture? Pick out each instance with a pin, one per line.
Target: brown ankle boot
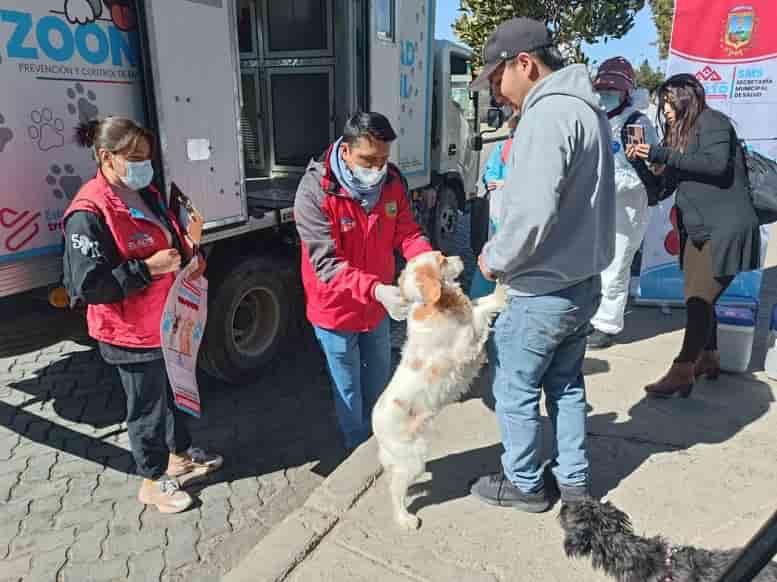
(708, 365)
(678, 380)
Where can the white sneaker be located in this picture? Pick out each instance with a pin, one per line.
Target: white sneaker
(166, 494)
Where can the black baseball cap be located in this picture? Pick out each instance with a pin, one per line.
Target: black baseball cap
(511, 38)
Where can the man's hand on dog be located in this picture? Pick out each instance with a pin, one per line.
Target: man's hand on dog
(390, 297)
(488, 275)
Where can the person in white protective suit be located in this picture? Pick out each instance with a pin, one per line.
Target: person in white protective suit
(635, 185)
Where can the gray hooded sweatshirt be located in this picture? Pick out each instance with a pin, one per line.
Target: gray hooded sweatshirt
(557, 221)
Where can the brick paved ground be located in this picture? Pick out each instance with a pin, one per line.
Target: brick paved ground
(67, 492)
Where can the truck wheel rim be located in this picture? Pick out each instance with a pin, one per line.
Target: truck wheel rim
(255, 321)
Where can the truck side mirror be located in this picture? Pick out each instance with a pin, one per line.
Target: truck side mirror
(495, 118)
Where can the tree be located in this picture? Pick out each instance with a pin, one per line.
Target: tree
(572, 21)
(648, 77)
(663, 13)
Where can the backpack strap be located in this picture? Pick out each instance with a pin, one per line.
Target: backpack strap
(651, 182)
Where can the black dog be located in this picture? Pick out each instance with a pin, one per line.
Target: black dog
(603, 532)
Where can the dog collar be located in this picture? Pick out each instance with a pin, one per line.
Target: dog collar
(669, 563)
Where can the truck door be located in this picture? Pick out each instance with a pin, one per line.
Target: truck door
(298, 67)
(458, 117)
(191, 51)
(401, 65)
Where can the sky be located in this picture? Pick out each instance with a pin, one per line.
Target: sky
(636, 46)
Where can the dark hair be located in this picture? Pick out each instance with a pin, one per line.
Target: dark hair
(114, 134)
(686, 95)
(368, 125)
(551, 57)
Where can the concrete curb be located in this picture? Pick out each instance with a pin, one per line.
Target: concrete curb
(292, 540)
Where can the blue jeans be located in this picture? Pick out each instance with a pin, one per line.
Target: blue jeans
(540, 342)
(359, 365)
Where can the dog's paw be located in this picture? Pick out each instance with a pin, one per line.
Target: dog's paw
(500, 296)
(408, 522)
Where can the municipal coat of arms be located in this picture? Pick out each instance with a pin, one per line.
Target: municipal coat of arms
(739, 29)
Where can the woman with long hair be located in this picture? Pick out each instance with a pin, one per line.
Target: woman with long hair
(123, 248)
(701, 160)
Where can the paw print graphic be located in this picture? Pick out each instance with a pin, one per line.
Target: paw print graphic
(47, 131)
(82, 103)
(6, 135)
(64, 181)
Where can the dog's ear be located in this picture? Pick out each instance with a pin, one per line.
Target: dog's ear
(577, 529)
(429, 284)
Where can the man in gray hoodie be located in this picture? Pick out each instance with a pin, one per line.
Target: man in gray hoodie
(556, 235)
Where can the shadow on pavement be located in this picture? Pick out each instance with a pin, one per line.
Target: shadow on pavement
(286, 419)
(647, 322)
(30, 324)
(453, 474)
(715, 413)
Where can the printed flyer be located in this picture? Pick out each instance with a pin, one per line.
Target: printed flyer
(183, 325)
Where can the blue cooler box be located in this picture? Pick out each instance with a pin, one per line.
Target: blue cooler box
(770, 363)
(736, 330)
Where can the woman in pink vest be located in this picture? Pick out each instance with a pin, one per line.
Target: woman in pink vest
(123, 248)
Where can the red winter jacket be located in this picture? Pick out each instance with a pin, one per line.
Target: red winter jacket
(106, 244)
(346, 252)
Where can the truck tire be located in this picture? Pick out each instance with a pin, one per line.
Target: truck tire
(446, 218)
(248, 320)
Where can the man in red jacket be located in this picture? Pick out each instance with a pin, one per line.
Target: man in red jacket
(352, 212)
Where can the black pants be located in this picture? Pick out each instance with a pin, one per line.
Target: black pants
(156, 427)
(702, 291)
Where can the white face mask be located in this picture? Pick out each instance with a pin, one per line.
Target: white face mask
(369, 177)
(610, 100)
(139, 175)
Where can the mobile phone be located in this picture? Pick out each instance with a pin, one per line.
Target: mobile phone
(636, 134)
(183, 208)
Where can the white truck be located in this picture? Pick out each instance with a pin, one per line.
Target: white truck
(241, 94)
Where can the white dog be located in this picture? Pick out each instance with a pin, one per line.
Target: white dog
(443, 353)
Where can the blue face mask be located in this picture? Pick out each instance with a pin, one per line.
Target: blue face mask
(610, 100)
(369, 177)
(139, 175)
